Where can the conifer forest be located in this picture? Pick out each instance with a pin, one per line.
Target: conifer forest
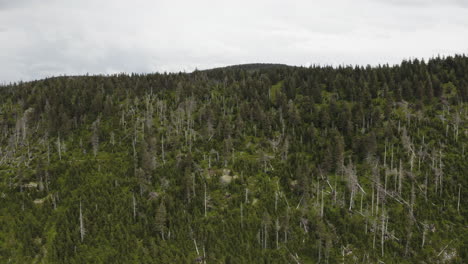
(256, 163)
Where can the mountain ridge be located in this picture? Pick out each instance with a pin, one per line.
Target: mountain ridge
(244, 164)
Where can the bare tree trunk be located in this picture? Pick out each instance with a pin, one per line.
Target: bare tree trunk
(400, 178)
(112, 138)
(411, 162)
(424, 235)
(122, 120)
(246, 195)
(276, 201)
(383, 232)
(196, 247)
(82, 229)
(204, 255)
(54, 201)
(375, 234)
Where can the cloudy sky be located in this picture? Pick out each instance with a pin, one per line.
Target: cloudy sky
(40, 38)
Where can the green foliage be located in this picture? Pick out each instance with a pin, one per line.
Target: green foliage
(245, 164)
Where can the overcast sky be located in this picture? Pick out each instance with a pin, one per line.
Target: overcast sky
(41, 38)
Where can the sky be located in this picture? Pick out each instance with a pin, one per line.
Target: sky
(44, 38)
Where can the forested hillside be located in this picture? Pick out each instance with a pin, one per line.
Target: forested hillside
(246, 164)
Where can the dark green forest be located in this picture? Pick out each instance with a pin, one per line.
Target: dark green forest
(259, 163)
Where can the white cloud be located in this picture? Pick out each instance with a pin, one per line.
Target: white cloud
(40, 38)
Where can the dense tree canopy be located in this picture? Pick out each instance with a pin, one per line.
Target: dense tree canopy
(259, 163)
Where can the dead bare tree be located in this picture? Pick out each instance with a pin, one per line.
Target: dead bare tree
(352, 182)
(82, 228)
(277, 229)
(400, 178)
(382, 237)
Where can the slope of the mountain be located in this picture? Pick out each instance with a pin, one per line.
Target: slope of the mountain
(245, 164)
